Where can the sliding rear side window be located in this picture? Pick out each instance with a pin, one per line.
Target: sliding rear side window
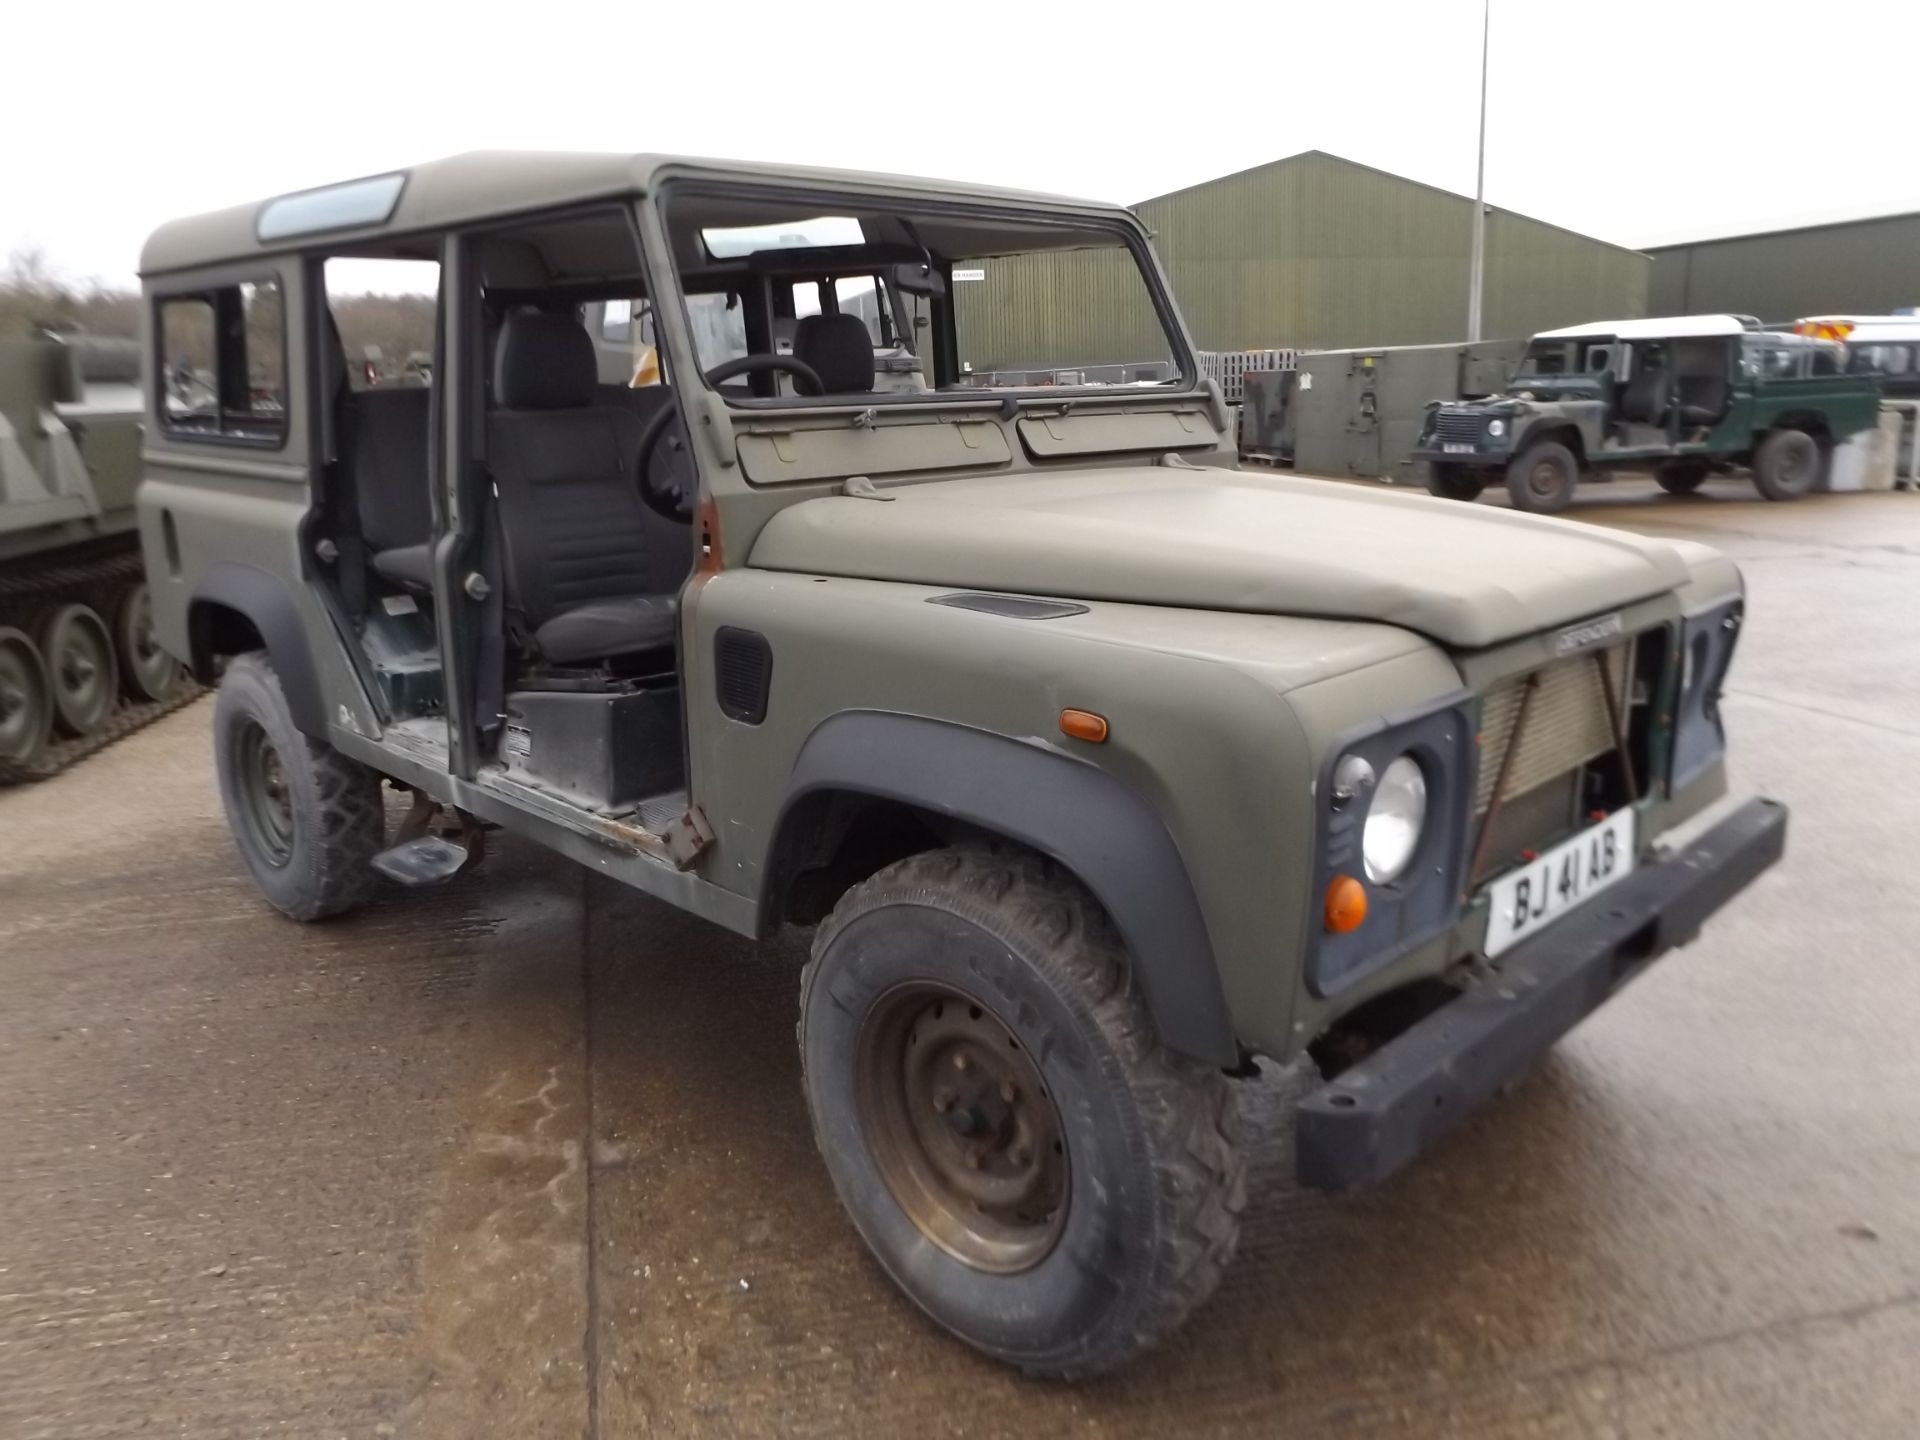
(223, 363)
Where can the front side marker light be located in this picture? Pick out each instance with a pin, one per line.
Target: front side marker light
(1346, 904)
(1084, 725)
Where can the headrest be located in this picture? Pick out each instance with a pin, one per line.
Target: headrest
(543, 362)
(839, 349)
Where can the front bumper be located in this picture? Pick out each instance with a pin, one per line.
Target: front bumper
(1371, 1120)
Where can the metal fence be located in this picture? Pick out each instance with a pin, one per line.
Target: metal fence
(1228, 368)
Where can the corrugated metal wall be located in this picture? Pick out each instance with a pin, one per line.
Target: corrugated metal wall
(1309, 252)
(1867, 267)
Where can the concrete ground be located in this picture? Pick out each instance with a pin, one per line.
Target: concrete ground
(526, 1156)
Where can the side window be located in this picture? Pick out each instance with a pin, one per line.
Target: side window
(191, 393)
(719, 328)
(861, 296)
(1779, 362)
(223, 360)
(1825, 360)
(616, 321)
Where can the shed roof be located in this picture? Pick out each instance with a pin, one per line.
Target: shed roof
(1342, 160)
(486, 184)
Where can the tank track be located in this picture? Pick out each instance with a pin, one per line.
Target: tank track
(124, 721)
(27, 592)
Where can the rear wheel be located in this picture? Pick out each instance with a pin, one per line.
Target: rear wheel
(80, 660)
(307, 820)
(1788, 464)
(1455, 482)
(1542, 477)
(1024, 1158)
(149, 672)
(1682, 477)
(26, 699)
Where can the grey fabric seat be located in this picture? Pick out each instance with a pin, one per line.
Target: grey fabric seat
(591, 573)
(1703, 398)
(389, 457)
(840, 351)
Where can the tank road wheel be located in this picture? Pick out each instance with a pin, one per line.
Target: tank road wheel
(1024, 1158)
(26, 700)
(307, 820)
(1787, 465)
(1681, 477)
(1455, 482)
(1541, 477)
(149, 672)
(79, 656)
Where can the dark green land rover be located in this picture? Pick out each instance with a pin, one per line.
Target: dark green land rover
(1681, 396)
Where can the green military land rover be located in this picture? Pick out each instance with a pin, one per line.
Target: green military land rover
(1100, 768)
(1681, 397)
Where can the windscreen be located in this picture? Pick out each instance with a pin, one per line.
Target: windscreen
(1002, 301)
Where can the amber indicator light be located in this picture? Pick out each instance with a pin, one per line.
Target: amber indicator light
(1084, 725)
(1346, 904)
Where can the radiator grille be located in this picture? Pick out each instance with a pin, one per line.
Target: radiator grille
(1456, 428)
(1567, 724)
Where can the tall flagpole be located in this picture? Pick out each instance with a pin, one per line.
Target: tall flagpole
(1476, 280)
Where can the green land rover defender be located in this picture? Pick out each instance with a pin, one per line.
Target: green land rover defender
(710, 551)
(1681, 397)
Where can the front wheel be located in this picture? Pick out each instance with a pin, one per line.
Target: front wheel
(1024, 1158)
(307, 820)
(1541, 477)
(1455, 482)
(1787, 465)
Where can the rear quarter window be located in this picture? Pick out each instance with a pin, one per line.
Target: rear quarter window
(222, 371)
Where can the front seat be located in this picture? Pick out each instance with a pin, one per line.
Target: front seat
(591, 572)
(1703, 398)
(840, 350)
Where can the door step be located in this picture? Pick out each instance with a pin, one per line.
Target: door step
(435, 842)
(426, 860)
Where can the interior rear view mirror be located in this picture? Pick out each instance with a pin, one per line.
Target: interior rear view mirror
(917, 277)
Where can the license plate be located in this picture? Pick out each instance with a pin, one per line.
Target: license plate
(1524, 902)
(1452, 448)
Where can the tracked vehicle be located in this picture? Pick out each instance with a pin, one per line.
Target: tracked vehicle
(79, 664)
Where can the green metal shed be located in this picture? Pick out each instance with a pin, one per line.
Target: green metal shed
(1317, 252)
(1854, 267)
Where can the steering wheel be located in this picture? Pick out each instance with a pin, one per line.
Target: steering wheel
(671, 494)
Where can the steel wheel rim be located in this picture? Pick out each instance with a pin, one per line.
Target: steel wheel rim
(26, 698)
(1544, 479)
(151, 669)
(1798, 464)
(266, 804)
(79, 657)
(962, 1127)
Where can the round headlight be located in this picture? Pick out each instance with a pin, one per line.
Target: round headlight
(1496, 428)
(1394, 821)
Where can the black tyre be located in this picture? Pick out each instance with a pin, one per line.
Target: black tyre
(307, 819)
(1683, 477)
(1025, 1159)
(1455, 482)
(80, 661)
(148, 672)
(1788, 464)
(1542, 477)
(26, 699)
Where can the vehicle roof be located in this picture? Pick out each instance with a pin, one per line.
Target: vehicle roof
(1866, 328)
(488, 184)
(1670, 327)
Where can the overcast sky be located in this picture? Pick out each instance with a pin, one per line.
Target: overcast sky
(1635, 121)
